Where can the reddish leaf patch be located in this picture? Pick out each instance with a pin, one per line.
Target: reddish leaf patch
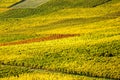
(52, 37)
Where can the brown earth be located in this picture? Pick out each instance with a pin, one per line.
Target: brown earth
(52, 37)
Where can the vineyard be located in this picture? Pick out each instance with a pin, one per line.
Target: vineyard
(60, 40)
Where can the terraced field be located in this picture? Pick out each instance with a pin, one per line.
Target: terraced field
(60, 40)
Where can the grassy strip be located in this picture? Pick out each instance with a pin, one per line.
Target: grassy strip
(29, 4)
(45, 75)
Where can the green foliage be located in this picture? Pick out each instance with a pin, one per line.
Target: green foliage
(89, 59)
(44, 75)
(94, 51)
(52, 6)
(7, 71)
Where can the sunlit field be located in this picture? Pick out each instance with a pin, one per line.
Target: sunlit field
(4, 4)
(60, 40)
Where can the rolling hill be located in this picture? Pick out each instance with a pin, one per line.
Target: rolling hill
(60, 40)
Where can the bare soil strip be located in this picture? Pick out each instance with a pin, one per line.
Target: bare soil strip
(52, 37)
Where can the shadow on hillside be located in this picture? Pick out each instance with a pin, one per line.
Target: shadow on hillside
(16, 3)
(74, 21)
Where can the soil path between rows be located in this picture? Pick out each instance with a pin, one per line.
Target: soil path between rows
(52, 37)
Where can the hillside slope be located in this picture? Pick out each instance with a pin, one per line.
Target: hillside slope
(50, 6)
(61, 40)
